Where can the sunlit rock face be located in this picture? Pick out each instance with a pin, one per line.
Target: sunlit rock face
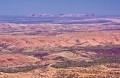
(7, 60)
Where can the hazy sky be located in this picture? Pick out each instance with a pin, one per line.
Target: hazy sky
(23, 7)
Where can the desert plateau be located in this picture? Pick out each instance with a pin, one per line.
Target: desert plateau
(60, 46)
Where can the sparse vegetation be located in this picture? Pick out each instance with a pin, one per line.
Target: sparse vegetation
(112, 59)
(65, 74)
(21, 68)
(71, 63)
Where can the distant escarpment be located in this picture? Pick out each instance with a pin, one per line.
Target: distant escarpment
(61, 15)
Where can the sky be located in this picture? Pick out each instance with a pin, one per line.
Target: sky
(24, 7)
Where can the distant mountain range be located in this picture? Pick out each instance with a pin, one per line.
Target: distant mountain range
(61, 15)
